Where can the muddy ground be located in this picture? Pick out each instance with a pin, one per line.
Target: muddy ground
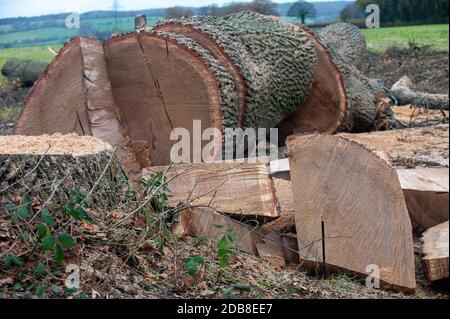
(428, 70)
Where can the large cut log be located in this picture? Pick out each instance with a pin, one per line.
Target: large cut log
(171, 82)
(139, 102)
(426, 195)
(349, 204)
(272, 66)
(67, 99)
(341, 96)
(205, 222)
(51, 167)
(25, 72)
(405, 95)
(235, 189)
(409, 148)
(326, 108)
(435, 249)
(349, 42)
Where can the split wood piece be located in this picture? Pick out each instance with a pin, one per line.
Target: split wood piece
(270, 249)
(272, 66)
(53, 166)
(231, 188)
(435, 248)
(358, 197)
(409, 148)
(427, 195)
(103, 115)
(74, 96)
(212, 225)
(56, 103)
(170, 82)
(405, 95)
(283, 192)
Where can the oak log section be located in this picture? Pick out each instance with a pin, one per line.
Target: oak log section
(271, 64)
(238, 189)
(426, 195)
(358, 197)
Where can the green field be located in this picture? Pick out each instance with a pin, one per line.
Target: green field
(38, 35)
(435, 36)
(378, 39)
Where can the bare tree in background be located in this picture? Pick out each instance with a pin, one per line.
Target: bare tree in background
(266, 7)
(302, 10)
(178, 12)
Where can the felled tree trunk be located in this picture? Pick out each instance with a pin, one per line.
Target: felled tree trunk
(50, 168)
(405, 95)
(26, 72)
(272, 66)
(347, 41)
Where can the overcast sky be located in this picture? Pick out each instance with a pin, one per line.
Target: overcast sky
(15, 8)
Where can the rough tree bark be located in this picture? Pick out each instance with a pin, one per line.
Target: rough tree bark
(347, 41)
(271, 65)
(51, 167)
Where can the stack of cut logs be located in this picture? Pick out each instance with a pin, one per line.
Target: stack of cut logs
(340, 202)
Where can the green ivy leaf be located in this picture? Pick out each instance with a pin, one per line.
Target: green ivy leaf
(47, 217)
(10, 207)
(40, 290)
(26, 236)
(25, 202)
(40, 270)
(48, 242)
(8, 261)
(41, 231)
(59, 255)
(67, 241)
(23, 213)
(191, 264)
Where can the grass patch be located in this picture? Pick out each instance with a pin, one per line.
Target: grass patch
(435, 36)
(9, 112)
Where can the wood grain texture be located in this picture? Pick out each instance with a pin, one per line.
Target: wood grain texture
(56, 103)
(435, 249)
(283, 192)
(231, 188)
(212, 225)
(426, 194)
(409, 148)
(359, 198)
